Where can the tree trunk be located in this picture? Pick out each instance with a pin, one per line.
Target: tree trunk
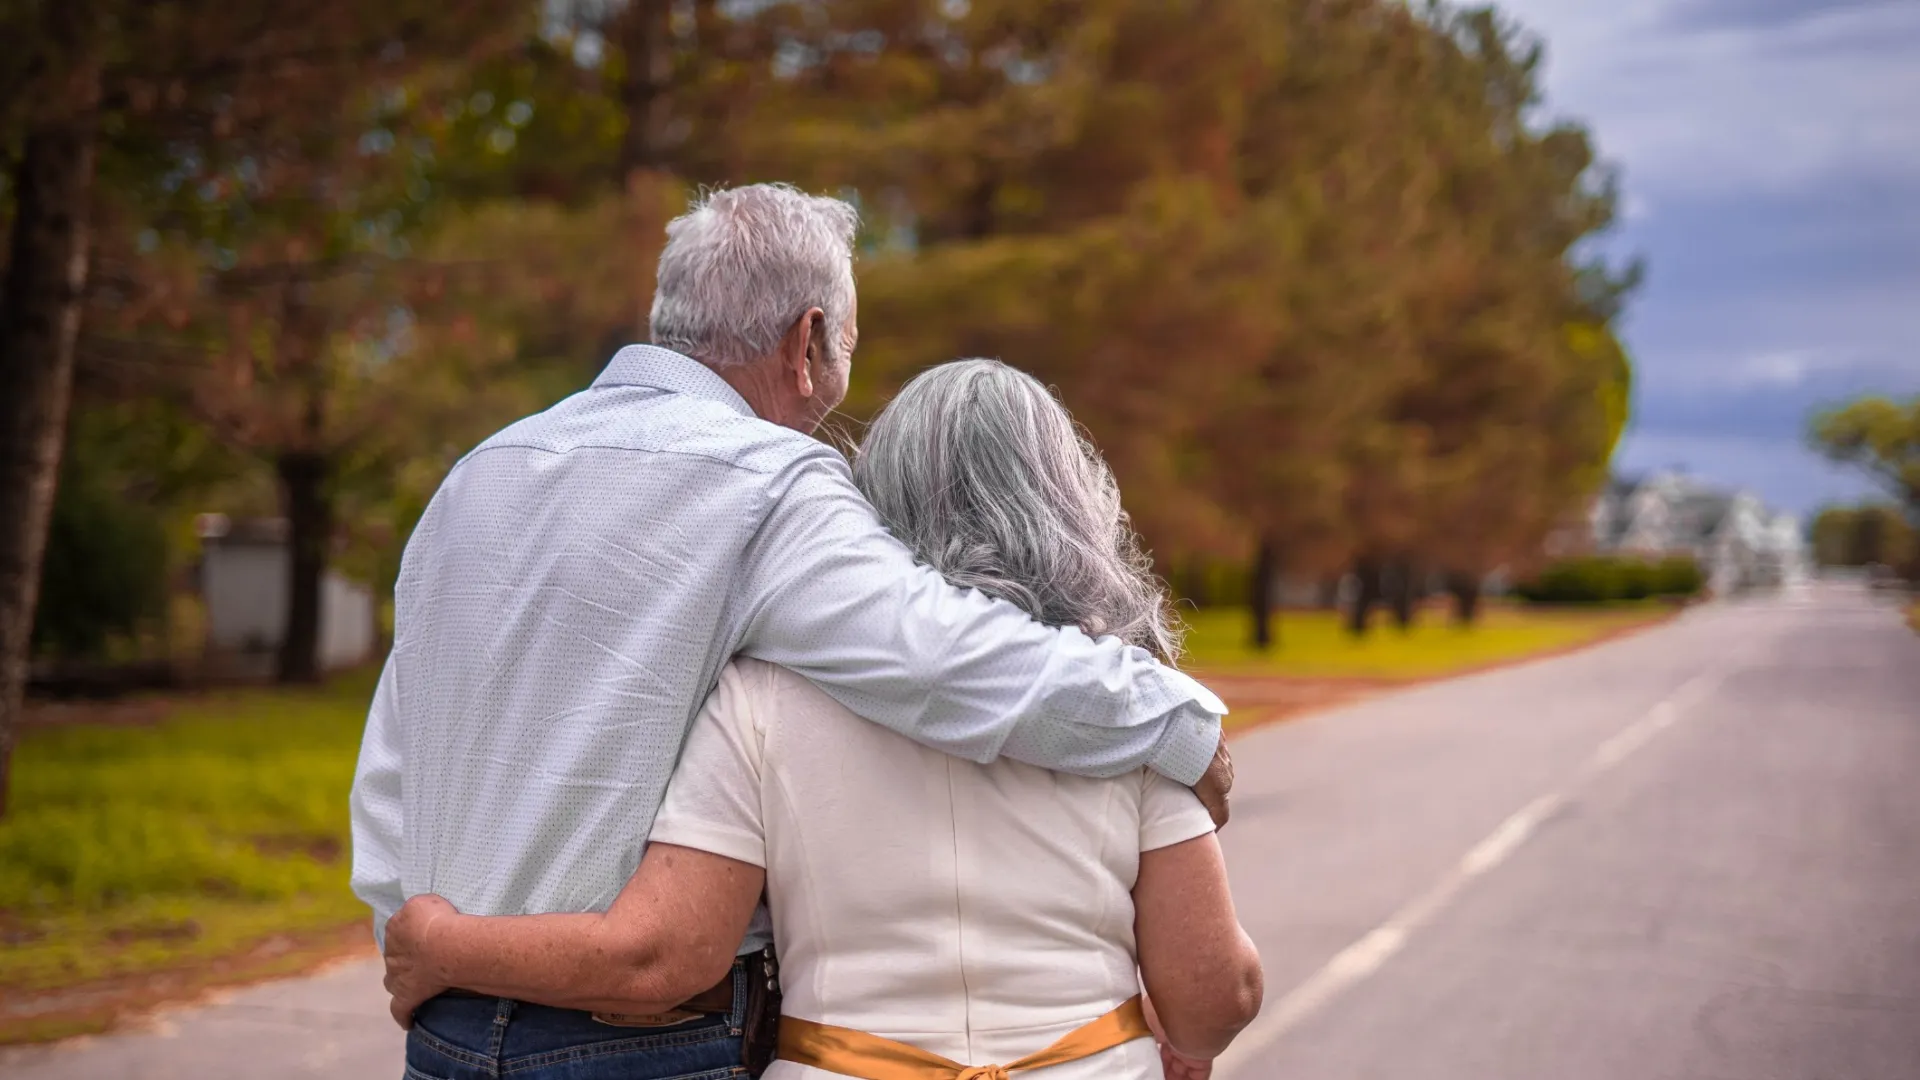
(40, 304)
(1466, 597)
(309, 513)
(1366, 573)
(1266, 565)
(644, 34)
(1403, 593)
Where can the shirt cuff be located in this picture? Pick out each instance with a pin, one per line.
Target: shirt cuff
(715, 839)
(1187, 747)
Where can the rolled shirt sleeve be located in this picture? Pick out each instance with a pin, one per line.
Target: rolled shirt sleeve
(831, 595)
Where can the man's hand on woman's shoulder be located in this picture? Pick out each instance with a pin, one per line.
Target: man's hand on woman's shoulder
(1216, 786)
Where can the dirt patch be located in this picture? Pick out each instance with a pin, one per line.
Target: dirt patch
(1256, 700)
(101, 1005)
(186, 930)
(14, 931)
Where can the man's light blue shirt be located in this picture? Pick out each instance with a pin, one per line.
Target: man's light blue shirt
(572, 591)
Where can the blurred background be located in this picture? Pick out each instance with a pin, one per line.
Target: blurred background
(1422, 337)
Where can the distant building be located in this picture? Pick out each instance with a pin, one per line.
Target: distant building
(1738, 542)
(243, 582)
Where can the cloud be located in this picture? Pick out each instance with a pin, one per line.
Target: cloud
(1785, 368)
(1724, 95)
(1717, 14)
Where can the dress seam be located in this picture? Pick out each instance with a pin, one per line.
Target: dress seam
(959, 913)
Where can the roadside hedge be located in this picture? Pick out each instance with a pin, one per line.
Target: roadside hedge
(1600, 579)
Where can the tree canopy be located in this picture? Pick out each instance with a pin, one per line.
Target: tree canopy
(1316, 275)
(1881, 437)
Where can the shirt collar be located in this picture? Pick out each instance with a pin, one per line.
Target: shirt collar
(664, 369)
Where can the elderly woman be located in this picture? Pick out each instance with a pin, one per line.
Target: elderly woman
(935, 917)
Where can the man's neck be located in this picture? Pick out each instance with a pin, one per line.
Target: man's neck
(758, 384)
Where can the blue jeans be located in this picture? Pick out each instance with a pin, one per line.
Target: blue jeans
(472, 1038)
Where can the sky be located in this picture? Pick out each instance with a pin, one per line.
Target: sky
(1769, 153)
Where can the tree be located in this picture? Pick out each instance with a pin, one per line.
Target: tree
(52, 179)
(318, 336)
(1867, 535)
(1520, 389)
(1879, 436)
(1054, 186)
(132, 91)
(1305, 271)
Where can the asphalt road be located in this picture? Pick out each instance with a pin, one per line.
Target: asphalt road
(1693, 853)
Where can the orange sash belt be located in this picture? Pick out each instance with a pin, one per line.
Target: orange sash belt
(870, 1057)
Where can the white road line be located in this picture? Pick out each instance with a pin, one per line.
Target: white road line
(1361, 959)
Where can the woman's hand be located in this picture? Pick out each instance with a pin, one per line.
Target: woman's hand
(1176, 1065)
(413, 976)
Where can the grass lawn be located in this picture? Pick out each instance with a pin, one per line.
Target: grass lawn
(1314, 644)
(132, 850)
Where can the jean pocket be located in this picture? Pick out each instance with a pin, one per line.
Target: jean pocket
(428, 1058)
(715, 1074)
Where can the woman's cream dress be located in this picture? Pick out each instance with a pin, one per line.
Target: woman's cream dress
(976, 911)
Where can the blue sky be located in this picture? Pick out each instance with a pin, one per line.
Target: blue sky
(1770, 157)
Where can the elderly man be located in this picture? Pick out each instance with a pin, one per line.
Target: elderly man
(567, 601)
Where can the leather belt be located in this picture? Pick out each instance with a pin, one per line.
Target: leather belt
(717, 998)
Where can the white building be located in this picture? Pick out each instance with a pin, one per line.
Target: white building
(243, 581)
(1738, 542)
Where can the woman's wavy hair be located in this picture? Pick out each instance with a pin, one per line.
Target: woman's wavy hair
(977, 468)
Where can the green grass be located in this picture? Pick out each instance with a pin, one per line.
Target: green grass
(130, 849)
(1314, 644)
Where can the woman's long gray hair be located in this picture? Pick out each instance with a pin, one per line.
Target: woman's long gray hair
(983, 474)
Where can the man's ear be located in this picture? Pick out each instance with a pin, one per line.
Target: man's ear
(804, 344)
(817, 350)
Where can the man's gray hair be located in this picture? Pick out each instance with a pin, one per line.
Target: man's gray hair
(743, 264)
(977, 468)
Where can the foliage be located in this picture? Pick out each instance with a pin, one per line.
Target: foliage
(1867, 535)
(1881, 437)
(1601, 579)
(1316, 645)
(1306, 272)
(1677, 576)
(264, 281)
(135, 473)
(224, 822)
(105, 570)
(1315, 276)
